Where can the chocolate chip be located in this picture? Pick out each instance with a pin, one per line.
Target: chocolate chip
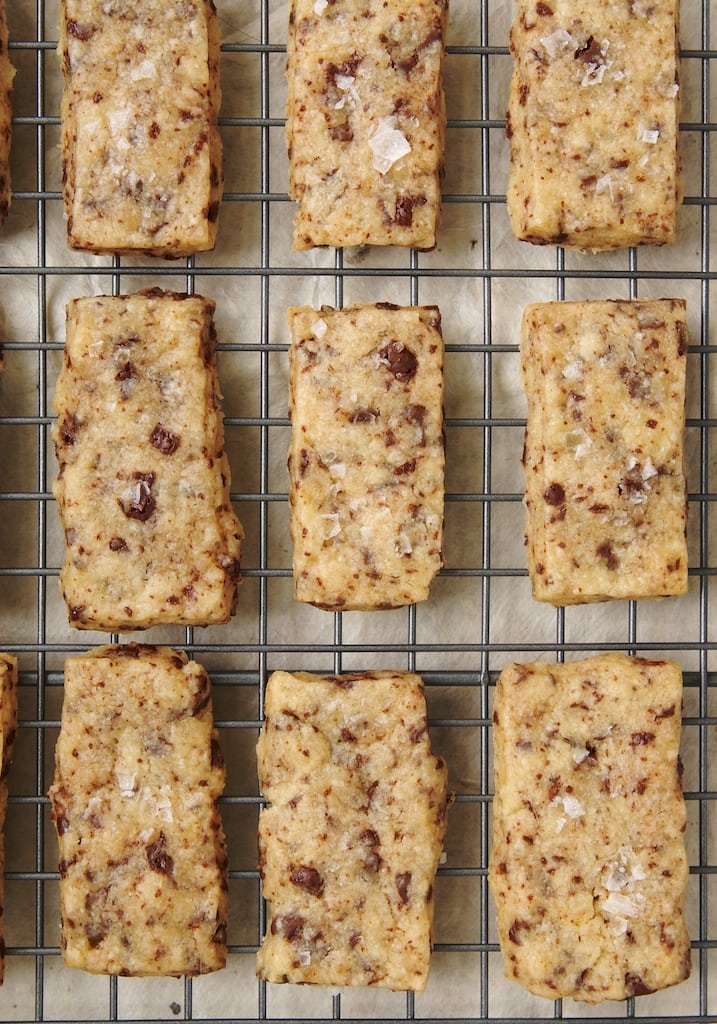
(405, 205)
(158, 858)
(61, 823)
(590, 52)
(118, 544)
(96, 933)
(403, 880)
(361, 415)
(641, 739)
(681, 338)
(143, 502)
(307, 878)
(341, 132)
(515, 930)
(606, 552)
(400, 360)
(288, 925)
(128, 372)
(164, 440)
(80, 31)
(216, 759)
(554, 494)
(69, 429)
(635, 986)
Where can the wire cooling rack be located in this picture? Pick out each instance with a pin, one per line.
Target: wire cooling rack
(480, 614)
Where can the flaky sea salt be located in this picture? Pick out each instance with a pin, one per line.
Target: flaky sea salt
(558, 42)
(388, 145)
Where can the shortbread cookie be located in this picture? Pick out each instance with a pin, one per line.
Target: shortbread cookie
(7, 74)
(137, 778)
(588, 865)
(593, 123)
(142, 167)
(605, 487)
(366, 460)
(350, 842)
(8, 728)
(143, 485)
(366, 121)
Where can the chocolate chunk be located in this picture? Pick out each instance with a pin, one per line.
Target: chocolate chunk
(606, 552)
(96, 933)
(405, 205)
(69, 429)
(515, 930)
(289, 925)
(118, 544)
(361, 415)
(80, 31)
(590, 52)
(635, 986)
(554, 494)
(158, 858)
(308, 878)
(641, 739)
(403, 880)
(400, 360)
(164, 440)
(143, 502)
(128, 372)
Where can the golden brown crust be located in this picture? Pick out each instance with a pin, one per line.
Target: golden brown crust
(8, 729)
(606, 501)
(366, 121)
(366, 460)
(593, 121)
(137, 779)
(143, 488)
(7, 74)
(588, 865)
(350, 843)
(142, 168)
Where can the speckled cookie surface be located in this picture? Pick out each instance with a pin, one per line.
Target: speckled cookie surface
(593, 121)
(134, 800)
(366, 121)
(350, 842)
(142, 167)
(366, 460)
(8, 729)
(606, 500)
(143, 482)
(588, 865)
(7, 74)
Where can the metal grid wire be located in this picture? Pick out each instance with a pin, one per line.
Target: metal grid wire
(479, 615)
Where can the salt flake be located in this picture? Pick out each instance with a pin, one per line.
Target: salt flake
(558, 42)
(619, 904)
(388, 145)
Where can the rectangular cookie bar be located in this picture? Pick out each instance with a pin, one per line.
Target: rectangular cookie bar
(588, 865)
(350, 842)
(143, 484)
(8, 729)
(366, 461)
(7, 74)
(366, 121)
(142, 157)
(138, 773)
(593, 120)
(604, 481)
